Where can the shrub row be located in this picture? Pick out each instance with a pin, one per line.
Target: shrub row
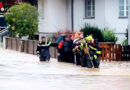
(105, 35)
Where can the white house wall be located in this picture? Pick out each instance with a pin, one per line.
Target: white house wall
(55, 16)
(79, 14)
(112, 19)
(69, 18)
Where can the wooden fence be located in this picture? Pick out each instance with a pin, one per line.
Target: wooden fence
(27, 46)
(110, 51)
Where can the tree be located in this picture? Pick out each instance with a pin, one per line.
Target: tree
(23, 19)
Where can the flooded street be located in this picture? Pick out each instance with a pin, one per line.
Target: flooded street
(19, 71)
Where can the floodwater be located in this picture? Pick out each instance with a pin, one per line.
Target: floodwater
(19, 71)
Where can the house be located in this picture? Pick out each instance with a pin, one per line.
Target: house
(58, 15)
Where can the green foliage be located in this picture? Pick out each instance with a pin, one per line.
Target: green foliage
(125, 42)
(109, 35)
(94, 31)
(1, 0)
(23, 18)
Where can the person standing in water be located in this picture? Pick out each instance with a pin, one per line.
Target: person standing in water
(94, 52)
(43, 49)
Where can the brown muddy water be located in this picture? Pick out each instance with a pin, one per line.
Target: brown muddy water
(19, 71)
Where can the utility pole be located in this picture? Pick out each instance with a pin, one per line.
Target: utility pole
(129, 23)
(72, 15)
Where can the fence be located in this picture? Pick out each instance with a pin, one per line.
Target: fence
(27, 46)
(110, 51)
(126, 53)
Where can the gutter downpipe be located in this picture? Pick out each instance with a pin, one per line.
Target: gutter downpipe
(129, 23)
(72, 15)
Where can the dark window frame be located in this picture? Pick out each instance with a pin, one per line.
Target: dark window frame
(86, 12)
(124, 16)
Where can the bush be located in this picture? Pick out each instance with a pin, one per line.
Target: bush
(94, 31)
(109, 35)
(125, 42)
(23, 19)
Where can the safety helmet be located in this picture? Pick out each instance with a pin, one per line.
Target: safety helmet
(89, 38)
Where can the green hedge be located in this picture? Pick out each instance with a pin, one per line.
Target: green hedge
(94, 31)
(109, 35)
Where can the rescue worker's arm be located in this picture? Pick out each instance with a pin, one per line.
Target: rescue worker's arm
(46, 45)
(86, 50)
(59, 48)
(38, 49)
(75, 48)
(97, 53)
(54, 44)
(43, 46)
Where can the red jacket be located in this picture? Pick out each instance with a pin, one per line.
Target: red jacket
(60, 45)
(1, 5)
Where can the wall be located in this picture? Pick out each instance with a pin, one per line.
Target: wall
(79, 12)
(68, 12)
(54, 15)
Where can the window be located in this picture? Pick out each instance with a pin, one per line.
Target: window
(123, 8)
(90, 8)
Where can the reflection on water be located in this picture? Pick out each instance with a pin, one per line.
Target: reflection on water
(25, 72)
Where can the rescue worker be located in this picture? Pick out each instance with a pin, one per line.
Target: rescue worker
(84, 52)
(76, 47)
(43, 49)
(94, 52)
(71, 36)
(65, 50)
(60, 38)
